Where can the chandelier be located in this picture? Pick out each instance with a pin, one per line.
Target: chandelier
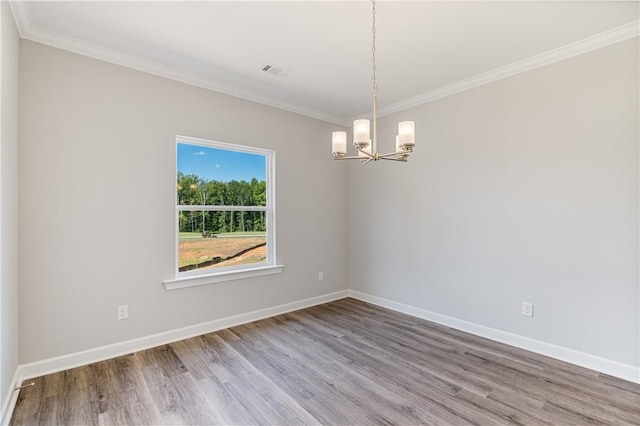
(365, 137)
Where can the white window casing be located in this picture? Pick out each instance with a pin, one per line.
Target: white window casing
(202, 277)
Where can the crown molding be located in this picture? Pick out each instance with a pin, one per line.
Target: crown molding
(29, 32)
(597, 41)
(21, 16)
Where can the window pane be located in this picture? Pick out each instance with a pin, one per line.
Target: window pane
(213, 176)
(221, 239)
(222, 206)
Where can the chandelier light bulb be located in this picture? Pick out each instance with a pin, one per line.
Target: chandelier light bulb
(361, 134)
(407, 134)
(339, 143)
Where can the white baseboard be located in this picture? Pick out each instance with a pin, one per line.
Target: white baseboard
(593, 362)
(10, 399)
(65, 362)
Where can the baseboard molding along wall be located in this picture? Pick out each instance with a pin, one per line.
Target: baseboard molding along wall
(10, 400)
(593, 362)
(65, 362)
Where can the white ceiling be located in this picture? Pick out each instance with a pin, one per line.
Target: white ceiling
(424, 49)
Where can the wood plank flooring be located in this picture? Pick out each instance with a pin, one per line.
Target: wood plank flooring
(341, 363)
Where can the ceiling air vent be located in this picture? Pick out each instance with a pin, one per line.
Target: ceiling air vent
(276, 70)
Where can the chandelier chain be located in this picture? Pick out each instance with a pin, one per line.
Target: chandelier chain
(373, 47)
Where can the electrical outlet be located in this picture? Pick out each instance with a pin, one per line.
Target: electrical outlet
(527, 309)
(320, 276)
(123, 312)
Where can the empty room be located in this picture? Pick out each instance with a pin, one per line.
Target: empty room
(320, 212)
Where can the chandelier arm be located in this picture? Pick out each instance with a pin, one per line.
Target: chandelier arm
(351, 157)
(391, 154)
(368, 160)
(368, 154)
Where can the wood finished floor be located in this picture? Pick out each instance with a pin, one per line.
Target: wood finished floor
(342, 363)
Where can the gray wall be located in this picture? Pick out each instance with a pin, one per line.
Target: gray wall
(525, 189)
(97, 182)
(8, 203)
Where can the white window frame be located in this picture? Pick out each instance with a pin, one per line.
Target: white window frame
(195, 277)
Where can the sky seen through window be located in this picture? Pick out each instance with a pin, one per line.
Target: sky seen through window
(220, 164)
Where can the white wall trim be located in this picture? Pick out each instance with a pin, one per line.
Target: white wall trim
(64, 362)
(21, 16)
(28, 31)
(593, 362)
(597, 41)
(197, 280)
(10, 399)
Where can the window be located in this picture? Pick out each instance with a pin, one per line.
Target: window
(224, 212)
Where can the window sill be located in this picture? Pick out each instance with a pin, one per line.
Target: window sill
(192, 281)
